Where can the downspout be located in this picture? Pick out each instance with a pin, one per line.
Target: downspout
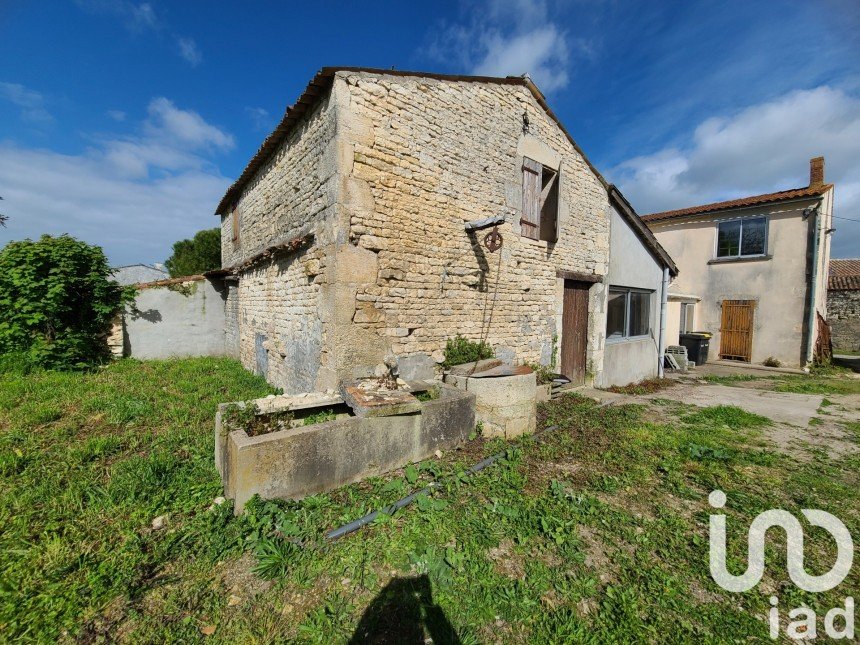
(661, 343)
(810, 331)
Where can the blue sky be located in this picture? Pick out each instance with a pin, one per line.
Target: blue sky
(122, 122)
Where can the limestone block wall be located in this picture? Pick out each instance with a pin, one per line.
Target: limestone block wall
(292, 191)
(231, 319)
(843, 314)
(424, 156)
(281, 333)
(277, 330)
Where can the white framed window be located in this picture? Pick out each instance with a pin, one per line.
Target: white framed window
(687, 317)
(628, 313)
(741, 238)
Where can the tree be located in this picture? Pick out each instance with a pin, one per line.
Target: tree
(57, 301)
(200, 254)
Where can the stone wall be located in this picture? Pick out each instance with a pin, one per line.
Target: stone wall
(384, 173)
(843, 314)
(279, 333)
(429, 155)
(231, 320)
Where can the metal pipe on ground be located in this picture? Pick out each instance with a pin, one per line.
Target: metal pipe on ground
(353, 526)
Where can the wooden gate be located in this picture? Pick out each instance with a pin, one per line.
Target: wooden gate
(574, 330)
(736, 330)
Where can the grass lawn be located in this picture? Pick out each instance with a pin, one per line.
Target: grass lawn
(597, 533)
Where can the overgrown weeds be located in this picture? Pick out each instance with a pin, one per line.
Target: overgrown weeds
(605, 520)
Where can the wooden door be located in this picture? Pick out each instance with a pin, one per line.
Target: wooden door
(574, 332)
(736, 330)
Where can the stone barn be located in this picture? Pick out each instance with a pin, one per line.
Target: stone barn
(843, 305)
(390, 211)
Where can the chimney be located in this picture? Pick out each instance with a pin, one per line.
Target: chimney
(816, 172)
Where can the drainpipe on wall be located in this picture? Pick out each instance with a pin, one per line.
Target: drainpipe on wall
(810, 339)
(661, 344)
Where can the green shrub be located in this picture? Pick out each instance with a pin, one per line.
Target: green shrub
(57, 302)
(543, 373)
(459, 350)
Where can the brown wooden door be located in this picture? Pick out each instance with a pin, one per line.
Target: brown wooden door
(736, 330)
(574, 332)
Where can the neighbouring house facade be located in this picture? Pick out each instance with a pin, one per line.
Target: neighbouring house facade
(843, 305)
(390, 211)
(753, 272)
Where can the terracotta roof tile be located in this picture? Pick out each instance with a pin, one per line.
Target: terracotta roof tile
(755, 200)
(844, 275)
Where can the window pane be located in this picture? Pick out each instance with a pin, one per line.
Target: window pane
(728, 239)
(639, 313)
(683, 318)
(752, 242)
(615, 314)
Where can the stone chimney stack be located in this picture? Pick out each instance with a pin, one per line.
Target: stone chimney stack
(816, 172)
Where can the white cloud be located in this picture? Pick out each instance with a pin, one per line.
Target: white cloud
(260, 118)
(763, 148)
(141, 17)
(166, 120)
(31, 103)
(134, 195)
(509, 37)
(116, 115)
(189, 51)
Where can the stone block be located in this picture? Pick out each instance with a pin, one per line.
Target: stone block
(416, 367)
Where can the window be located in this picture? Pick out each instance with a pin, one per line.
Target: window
(628, 313)
(687, 311)
(742, 237)
(540, 201)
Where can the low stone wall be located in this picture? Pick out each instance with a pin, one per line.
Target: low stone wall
(173, 318)
(301, 461)
(843, 314)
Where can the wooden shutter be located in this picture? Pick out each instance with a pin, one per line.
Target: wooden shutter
(530, 220)
(234, 220)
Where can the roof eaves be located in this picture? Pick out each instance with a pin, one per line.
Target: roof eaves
(790, 195)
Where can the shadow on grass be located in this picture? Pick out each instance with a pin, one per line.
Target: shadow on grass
(401, 612)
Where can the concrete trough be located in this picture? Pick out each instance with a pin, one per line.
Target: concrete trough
(304, 460)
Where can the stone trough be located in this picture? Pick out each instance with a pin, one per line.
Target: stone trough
(299, 460)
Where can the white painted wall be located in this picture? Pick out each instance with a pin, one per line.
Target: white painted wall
(778, 284)
(630, 265)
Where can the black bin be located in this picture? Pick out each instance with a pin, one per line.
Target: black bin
(697, 345)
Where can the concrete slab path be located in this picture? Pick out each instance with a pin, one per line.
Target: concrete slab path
(796, 409)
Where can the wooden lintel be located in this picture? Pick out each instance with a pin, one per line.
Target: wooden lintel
(579, 277)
